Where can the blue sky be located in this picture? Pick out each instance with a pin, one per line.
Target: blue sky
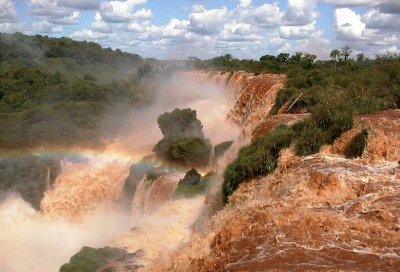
(205, 28)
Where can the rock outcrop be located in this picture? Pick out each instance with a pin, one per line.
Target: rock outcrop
(317, 213)
(254, 95)
(30, 176)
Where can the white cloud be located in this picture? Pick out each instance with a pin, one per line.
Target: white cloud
(119, 11)
(88, 34)
(79, 4)
(99, 25)
(376, 20)
(245, 3)
(348, 24)
(300, 12)
(72, 19)
(175, 29)
(389, 6)
(207, 22)
(384, 6)
(266, 15)
(297, 32)
(350, 3)
(49, 11)
(11, 27)
(238, 32)
(7, 11)
(46, 28)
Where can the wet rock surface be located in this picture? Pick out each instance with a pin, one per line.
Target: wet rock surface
(29, 175)
(318, 213)
(192, 177)
(315, 213)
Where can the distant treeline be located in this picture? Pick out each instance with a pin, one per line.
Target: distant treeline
(56, 91)
(331, 91)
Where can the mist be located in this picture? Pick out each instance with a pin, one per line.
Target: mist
(139, 130)
(47, 239)
(31, 242)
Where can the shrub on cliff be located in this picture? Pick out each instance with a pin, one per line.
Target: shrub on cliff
(190, 151)
(183, 142)
(334, 115)
(91, 260)
(310, 137)
(260, 157)
(357, 145)
(187, 188)
(220, 149)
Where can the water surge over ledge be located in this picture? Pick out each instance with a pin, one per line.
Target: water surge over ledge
(82, 206)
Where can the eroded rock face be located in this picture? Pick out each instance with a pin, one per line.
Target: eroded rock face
(254, 94)
(383, 138)
(30, 176)
(318, 213)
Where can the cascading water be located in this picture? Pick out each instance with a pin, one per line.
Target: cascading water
(84, 187)
(81, 207)
(152, 194)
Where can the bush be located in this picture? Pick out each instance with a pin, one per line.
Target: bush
(221, 148)
(91, 260)
(357, 145)
(190, 151)
(183, 142)
(310, 139)
(186, 190)
(261, 157)
(334, 115)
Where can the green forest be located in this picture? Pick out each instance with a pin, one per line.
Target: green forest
(56, 91)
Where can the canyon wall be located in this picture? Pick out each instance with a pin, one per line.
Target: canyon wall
(253, 95)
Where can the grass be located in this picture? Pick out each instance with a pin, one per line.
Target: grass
(357, 145)
(186, 190)
(91, 260)
(260, 157)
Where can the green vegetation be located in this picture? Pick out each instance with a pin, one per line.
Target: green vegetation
(309, 139)
(259, 158)
(332, 91)
(357, 145)
(220, 149)
(59, 91)
(91, 260)
(183, 142)
(190, 151)
(370, 85)
(67, 57)
(187, 190)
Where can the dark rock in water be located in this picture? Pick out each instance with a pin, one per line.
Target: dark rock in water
(193, 184)
(183, 142)
(30, 176)
(192, 177)
(136, 174)
(104, 259)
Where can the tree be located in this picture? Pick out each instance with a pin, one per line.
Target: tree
(346, 51)
(360, 58)
(283, 57)
(308, 60)
(335, 55)
(297, 57)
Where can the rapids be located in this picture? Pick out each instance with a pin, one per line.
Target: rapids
(82, 207)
